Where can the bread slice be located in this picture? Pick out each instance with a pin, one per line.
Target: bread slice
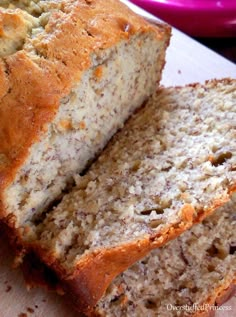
(172, 164)
(71, 72)
(184, 278)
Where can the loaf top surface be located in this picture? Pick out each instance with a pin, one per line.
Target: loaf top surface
(44, 48)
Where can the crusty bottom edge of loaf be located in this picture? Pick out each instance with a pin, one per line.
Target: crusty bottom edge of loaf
(85, 298)
(192, 273)
(37, 273)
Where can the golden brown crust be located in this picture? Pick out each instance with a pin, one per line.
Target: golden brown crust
(220, 296)
(225, 294)
(96, 270)
(210, 83)
(36, 273)
(99, 269)
(49, 65)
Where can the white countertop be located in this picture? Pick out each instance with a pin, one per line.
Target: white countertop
(189, 61)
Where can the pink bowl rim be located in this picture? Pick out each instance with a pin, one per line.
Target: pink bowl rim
(202, 5)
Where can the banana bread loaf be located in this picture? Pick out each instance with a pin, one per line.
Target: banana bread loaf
(71, 72)
(172, 164)
(184, 278)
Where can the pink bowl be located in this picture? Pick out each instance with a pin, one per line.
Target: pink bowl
(204, 18)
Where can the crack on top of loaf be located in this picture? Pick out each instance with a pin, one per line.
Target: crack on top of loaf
(17, 19)
(23, 20)
(32, 7)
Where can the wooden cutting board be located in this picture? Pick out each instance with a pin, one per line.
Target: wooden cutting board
(187, 61)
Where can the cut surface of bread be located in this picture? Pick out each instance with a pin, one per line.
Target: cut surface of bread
(172, 164)
(184, 278)
(71, 72)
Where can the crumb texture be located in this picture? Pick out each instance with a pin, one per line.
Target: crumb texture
(188, 271)
(86, 120)
(71, 73)
(173, 160)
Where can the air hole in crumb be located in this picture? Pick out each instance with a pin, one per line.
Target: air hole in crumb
(155, 223)
(132, 304)
(8, 289)
(147, 212)
(39, 217)
(30, 310)
(119, 299)
(232, 248)
(136, 166)
(116, 298)
(221, 158)
(194, 290)
(211, 268)
(219, 252)
(212, 251)
(166, 169)
(150, 304)
(183, 256)
(23, 200)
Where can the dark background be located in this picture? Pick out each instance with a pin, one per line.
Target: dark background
(223, 46)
